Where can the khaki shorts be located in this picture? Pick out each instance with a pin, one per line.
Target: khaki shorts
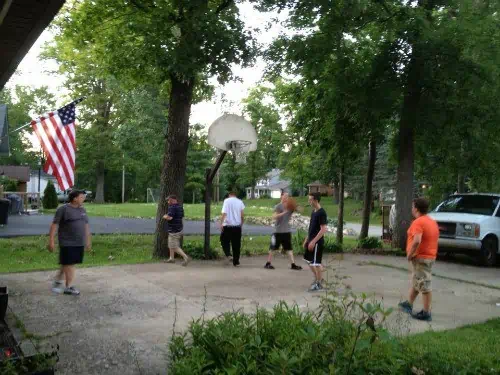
(174, 240)
(422, 275)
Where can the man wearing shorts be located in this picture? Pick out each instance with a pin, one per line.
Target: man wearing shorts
(72, 225)
(282, 237)
(314, 243)
(174, 218)
(421, 248)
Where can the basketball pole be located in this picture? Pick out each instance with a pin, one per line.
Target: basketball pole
(209, 177)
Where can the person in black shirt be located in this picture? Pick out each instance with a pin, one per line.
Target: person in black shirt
(174, 217)
(314, 243)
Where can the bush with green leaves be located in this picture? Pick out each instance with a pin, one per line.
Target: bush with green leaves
(49, 200)
(196, 250)
(345, 336)
(9, 184)
(370, 243)
(332, 246)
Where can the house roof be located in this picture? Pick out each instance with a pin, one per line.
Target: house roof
(280, 185)
(20, 173)
(317, 183)
(21, 23)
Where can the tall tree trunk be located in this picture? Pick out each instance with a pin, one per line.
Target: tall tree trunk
(461, 183)
(194, 196)
(367, 207)
(340, 218)
(99, 190)
(336, 192)
(252, 192)
(409, 115)
(174, 161)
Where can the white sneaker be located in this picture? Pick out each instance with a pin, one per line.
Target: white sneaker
(57, 286)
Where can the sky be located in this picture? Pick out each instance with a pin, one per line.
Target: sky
(36, 73)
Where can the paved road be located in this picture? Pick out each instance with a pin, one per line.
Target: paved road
(35, 225)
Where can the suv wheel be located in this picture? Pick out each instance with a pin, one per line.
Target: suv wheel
(489, 251)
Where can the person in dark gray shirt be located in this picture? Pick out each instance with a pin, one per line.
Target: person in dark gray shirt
(282, 236)
(72, 225)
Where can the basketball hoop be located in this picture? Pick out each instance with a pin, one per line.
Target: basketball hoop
(240, 150)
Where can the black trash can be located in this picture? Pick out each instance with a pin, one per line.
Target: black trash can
(4, 301)
(4, 211)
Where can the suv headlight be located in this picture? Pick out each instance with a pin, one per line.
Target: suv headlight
(468, 230)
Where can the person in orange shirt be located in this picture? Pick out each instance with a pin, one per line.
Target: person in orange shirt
(421, 249)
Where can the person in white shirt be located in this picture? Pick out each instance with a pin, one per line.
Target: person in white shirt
(230, 224)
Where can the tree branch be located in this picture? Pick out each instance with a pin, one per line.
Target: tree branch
(224, 5)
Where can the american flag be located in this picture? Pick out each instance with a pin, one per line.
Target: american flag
(56, 133)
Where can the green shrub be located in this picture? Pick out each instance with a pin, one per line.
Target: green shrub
(49, 200)
(370, 243)
(196, 250)
(288, 341)
(331, 246)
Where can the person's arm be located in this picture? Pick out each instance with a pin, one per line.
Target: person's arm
(242, 217)
(277, 215)
(52, 236)
(54, 226)
(169, 215)
(321, 233)
(417, 240)
(88, 236)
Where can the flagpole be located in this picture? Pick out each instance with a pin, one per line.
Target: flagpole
(29, 123)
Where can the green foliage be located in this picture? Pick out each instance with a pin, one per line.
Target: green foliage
(23, 104)
(9, 184)
(288, 341)
(370, 243)
(49, 200)
(332, 246)
(195, 249)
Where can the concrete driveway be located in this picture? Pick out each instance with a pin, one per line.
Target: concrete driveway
(122, 322)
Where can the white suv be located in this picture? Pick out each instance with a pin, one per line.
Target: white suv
(470, 223)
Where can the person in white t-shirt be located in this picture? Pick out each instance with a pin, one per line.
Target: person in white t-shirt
(230, 224)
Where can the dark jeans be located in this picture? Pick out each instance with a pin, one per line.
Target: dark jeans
(231, 237)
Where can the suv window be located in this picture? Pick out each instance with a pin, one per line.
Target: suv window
(470, 204)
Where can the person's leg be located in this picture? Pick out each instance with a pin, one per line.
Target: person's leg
(412, 295)
(274, 245)
(427, 299)
(59, 274)
(225, 241)
(69, 272)
(236, 244)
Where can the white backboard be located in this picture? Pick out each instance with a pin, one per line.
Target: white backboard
(228, 128)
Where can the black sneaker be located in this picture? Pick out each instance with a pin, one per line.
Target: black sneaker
(295, 267)
(269, 266)
(406, 307)
(72, 291)
(423, 315)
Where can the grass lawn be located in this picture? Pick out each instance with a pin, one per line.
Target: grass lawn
(254, 208)
(472, 349)
(25, 254)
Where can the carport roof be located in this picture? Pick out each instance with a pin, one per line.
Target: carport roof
(21, 23)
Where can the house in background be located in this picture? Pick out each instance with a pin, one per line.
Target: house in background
(19, 173)
(271, 186)
(318, 187)
(44, 180)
